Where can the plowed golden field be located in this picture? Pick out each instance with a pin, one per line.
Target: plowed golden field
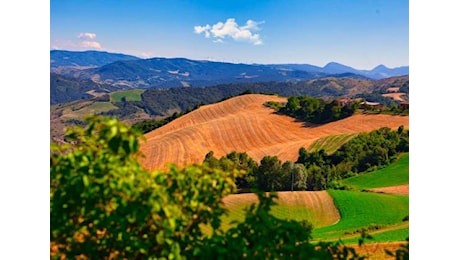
(320, 204)
(244, 124)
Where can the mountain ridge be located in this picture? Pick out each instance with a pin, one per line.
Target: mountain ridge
(117, 71)
(106, 58)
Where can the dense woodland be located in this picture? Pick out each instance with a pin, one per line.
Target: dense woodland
(317, 170)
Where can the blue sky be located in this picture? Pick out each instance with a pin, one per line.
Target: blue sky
(361, 34)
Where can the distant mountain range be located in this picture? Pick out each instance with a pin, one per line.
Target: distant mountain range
(60, 58)
(113, 71)
(334, 68)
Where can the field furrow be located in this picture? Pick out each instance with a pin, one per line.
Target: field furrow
(244, 124)
(316, 207)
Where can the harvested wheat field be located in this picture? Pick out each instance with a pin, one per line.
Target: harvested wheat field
(399, 189)
(319, 203)
(244, 124)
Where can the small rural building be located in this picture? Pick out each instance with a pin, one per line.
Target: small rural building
(370, 105)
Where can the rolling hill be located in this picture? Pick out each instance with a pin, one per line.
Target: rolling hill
(66, 89)
(126, 71)
(334, 68)
(315, 206)
(60, 58)
(181, 72)
(244, 124)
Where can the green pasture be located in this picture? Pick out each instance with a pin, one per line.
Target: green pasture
(358, 210)
(399, 234)
(396, 173)
(130, 95)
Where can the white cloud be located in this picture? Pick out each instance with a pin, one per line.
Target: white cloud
(87, 41)
(91, 44)
(87, 36)
(231, 29)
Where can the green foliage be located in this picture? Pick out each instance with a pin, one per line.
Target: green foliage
(376, 148)
(317, 110)
(150, 125)
(236, 161)
(104, 204)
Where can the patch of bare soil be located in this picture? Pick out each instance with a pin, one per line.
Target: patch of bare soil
(399, 189)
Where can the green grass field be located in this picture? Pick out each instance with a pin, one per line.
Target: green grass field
(368, 210)
(297, 213)
(395, 174)
(399, 234)
(130, 95)
(331, 143)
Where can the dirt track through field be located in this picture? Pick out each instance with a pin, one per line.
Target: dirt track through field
(399, 189)
(319, 202)
(244, 124)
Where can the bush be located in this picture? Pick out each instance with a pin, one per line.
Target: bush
(104, 204)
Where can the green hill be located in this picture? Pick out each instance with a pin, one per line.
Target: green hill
(396, 173)
(370, 211)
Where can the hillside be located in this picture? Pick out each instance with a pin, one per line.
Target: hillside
(66, 89)
(394, 176)
(244, 124)
(59, 58)
(180, 72)
(315, 206)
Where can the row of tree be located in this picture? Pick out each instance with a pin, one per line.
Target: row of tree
(316, 170)
(317, 110)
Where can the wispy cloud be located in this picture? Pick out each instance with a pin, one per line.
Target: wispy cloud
(230, 29)
(91, 44)
(87, 36)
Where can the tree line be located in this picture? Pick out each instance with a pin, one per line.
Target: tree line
(317, 110)
(316, 170)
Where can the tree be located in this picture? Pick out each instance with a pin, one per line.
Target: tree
(300, 176)
(303, 156)
(269, 174)
(104, 204)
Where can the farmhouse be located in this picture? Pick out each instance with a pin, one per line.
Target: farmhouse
(370, 105)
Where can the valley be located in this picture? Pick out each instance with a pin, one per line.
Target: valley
(229, 111)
